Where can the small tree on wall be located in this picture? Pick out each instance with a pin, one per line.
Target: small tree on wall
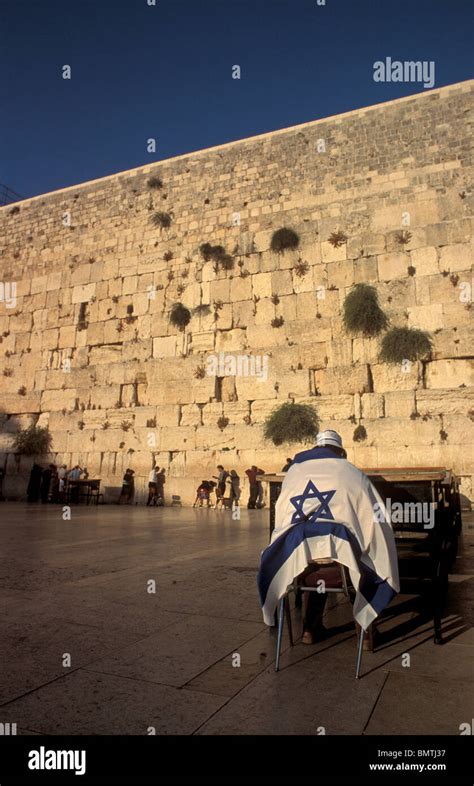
(362, 313)
(291, 423)
(33, 441)
(405, 343)
(180, 316)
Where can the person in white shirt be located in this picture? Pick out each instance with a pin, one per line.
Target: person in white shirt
(153, 486)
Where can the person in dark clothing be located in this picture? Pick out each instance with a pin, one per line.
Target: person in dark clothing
(128, 486)
(34, 484)
(46, 482)
(256, 490)
(2, 475)
(287, 466)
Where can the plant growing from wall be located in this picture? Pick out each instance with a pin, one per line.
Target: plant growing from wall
(362, 313)
(200, 372)
(284, 239)
(180, 289)
(411, 270)
(403, 237)
(403, 343)
(7, 372)
(154, 182)
(203, 310)
(222, 422)
(180, 316)
(275, 300)
(80, 425)
(217, 254)
(360, 434)
(22, 391)
(301, 268)
(33, 441)
(161, 220)
(337, 239)
(277, 322)
(291, 422)
(167, 256)
(125, 425)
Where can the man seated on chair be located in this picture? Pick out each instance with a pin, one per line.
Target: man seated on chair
(329, 515)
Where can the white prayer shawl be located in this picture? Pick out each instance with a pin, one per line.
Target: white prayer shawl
(328, 508)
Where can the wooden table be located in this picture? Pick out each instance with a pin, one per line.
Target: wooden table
(73, 489)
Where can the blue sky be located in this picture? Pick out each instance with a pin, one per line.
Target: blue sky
(165, 71)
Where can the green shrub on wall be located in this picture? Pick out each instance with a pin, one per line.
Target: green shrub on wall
(404, 343)
(362, 313)
(284, 239)
(180, 316)
(34, 441)
(291, 423)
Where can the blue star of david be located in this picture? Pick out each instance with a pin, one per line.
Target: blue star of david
(323, 510)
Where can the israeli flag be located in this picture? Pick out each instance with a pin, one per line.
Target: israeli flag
(328, 508)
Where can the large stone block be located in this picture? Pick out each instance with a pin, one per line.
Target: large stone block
(455, 257)
(393, 266)
(388, 377)
(83, 294)
(447, 402)
(372, 405)
(428, 318)
(400, 403)
(425, 260)
(342, 380)
(454, 373)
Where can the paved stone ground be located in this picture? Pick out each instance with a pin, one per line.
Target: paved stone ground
(164, 660)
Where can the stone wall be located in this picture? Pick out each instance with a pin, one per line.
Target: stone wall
(96, 281)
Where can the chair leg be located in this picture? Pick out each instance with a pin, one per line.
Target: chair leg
(359, 652)
(281, 615)
(288, 620)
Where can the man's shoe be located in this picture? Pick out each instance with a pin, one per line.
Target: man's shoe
(308, 637)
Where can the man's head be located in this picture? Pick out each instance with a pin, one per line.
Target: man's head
(331, 439)
(220, 467)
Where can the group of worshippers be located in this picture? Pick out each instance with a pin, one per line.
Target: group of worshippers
(226, 487)
(49, 484)
(156, 482)
(328, 515)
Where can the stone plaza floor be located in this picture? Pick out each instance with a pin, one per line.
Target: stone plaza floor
(165, 660)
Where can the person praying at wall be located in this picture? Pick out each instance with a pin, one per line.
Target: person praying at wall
(153, 486)
(256, 489)
(221, 478)
(235, 489)
(287, 466)
(34, 484)
(128, 487)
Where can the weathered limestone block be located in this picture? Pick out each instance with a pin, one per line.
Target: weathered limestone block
(372, 405)
(447, 402)
(363, 456)
(39, 284)
(450, 373)
(459, 430)
(262, 285)
(365, 350)
(220, 290)
(52, 400)
(453, 342)
(282, 282)
(165, 346)
(393, 377)
(341, 274)
(241, 288)
(81, 275)
(455, 257)
(342, 380)
(261, 409)
(368, 242)
(287, 308)
(243, 313)
(445, 289)
(231, 340)
(425, 260)
(393, 266)
(400, 403)
(428, 318)
(263, 337)
(339, 353)
(331, 407)
(365, 270)
(265, 312)
(331, 254)
(213, 438)
(251, 436)
(295, 384)
(105, 354)
(137, 350)
(251, 388)
(202, 342)
(83, 294)
(303, 283)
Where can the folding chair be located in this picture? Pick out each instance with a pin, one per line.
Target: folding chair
(295, 587)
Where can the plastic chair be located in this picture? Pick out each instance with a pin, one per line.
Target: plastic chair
(296, 587)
